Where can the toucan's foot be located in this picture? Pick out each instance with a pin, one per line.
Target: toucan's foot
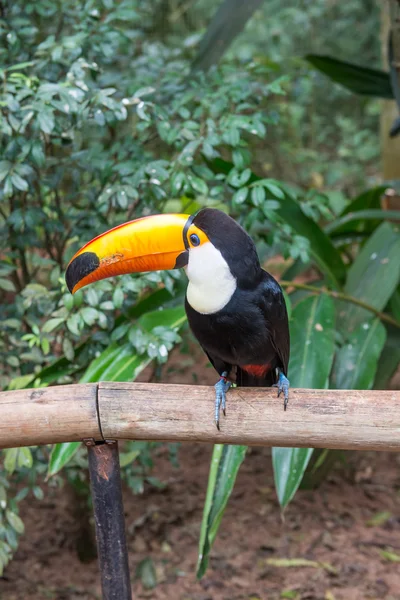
(221, 388)
(283, 386)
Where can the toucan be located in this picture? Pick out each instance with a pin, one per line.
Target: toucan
(235, 309)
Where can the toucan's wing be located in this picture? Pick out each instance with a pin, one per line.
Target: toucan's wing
(274, 308)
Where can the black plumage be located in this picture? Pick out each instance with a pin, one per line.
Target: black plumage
(249, 337)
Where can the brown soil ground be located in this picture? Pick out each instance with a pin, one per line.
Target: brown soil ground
(330, 525)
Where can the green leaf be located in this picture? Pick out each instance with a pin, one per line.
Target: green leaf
(89, 315)
(126, 458)
(7, 285)
(52, 324)
(238, 179)
(98, 366)
(10, 461)
(46, 121)
(361, 215)
(390, 556)
(15, 521)
(373, 276)
(357, 79)
(312, 351)
(118, 298)
(60, 455)
(147, 573)
(395, 304)
(224, 468)
(198, 184)
(25, 458)
(389, 359)
(168, 317)
(357, 361)
(126, 366)
(300, 562)
(258, 195)
(240, 195)
(289, 467)
(379, 519)
(228, 21)
(19, 182)
(312, 342)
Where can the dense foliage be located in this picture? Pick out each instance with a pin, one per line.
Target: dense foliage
(103, 120)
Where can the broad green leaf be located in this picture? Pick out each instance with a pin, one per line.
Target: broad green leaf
(357, 79)
(389, 359)
(356, 362)
(97, 367)
(395, 304)
(373, 276)
(228, 21)
(369, 199)
(125, 365)
(289, 466)
(60, 455)
(224, 468)
(371, 214)
(312, 351)
(312, 342)
(169, 317)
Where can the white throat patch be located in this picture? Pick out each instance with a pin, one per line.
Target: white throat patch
(211, 283)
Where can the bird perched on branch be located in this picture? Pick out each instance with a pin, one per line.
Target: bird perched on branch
(235, 309)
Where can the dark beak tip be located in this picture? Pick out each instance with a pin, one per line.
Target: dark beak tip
(80, 267)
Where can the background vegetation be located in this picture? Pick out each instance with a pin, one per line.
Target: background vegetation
(108, 113)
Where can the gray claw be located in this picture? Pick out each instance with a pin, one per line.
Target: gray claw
(221, 387)
(283, 386)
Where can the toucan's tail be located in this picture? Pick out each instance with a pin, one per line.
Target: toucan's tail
(246, 379)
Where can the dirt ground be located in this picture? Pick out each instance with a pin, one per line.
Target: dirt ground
(354, 558)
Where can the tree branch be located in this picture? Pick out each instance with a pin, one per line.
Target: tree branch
(340, 296)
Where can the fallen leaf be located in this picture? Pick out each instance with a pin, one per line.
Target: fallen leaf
(379, 519)
(388, 555)
(300, 562)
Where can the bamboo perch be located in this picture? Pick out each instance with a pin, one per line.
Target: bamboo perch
(66, 413)
(357, 419)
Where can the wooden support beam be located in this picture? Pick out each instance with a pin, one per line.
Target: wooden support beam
(357, 419)
(66, 413)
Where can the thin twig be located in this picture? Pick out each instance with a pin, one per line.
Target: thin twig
(340, 296)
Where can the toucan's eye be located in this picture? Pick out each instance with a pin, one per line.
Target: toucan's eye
(194, 239)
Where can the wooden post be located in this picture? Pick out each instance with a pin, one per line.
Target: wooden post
(105, 483)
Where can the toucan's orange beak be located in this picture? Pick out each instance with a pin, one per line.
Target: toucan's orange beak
(152, 243)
